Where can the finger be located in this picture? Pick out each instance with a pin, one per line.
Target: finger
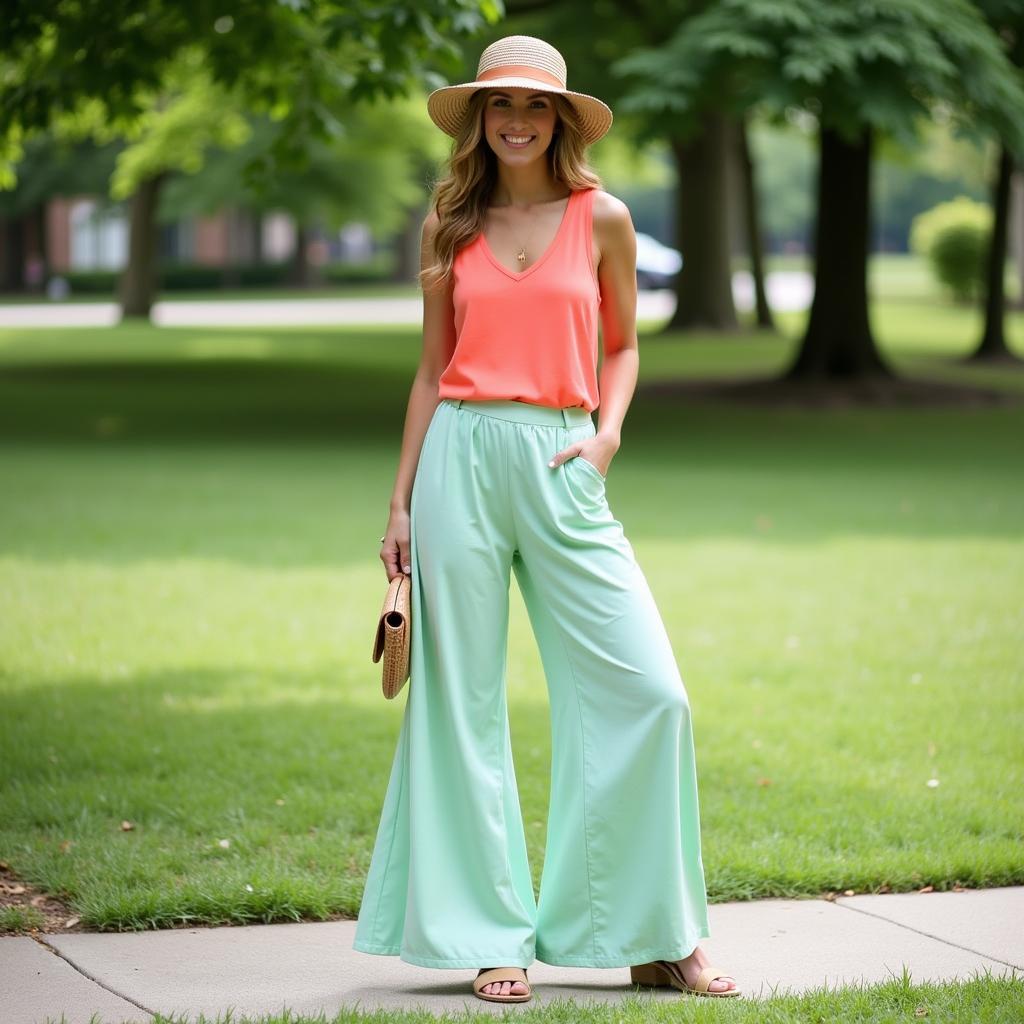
(406, 556)
(390, 556)
(559, 458)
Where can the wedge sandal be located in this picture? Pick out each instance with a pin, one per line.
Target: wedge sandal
(664, 972)
(487, 976)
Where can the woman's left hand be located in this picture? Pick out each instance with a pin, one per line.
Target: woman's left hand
(597, 450)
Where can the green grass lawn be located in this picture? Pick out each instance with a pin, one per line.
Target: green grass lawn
(189, 580)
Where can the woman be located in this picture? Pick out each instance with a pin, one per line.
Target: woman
(502, 470)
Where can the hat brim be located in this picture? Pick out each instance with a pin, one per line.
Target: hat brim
(447, 105)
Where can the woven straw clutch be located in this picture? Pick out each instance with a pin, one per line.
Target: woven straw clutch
(392, 637)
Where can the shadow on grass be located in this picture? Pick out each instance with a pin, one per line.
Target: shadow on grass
(224, 400)
(292, 464)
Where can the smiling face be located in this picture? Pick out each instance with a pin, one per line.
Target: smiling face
(519, 123)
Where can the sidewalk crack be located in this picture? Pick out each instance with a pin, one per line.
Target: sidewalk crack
(929, 935)
(94, 980)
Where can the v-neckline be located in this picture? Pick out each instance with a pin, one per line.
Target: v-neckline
(518, 275)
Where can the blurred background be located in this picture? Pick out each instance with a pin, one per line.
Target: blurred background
(164, 150)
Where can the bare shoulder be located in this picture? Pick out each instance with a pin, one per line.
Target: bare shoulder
(614, 234)
(611, 214)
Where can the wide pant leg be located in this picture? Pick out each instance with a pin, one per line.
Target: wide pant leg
(623, 879)
(449, 883)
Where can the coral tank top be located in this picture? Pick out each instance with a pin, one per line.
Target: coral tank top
(529, 335)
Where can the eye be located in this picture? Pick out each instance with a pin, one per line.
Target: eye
(502, 100)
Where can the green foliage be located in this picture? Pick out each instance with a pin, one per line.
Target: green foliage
(363, 172)
(904, 182)
(785, 159)
(943, 154)
(176, 124)
(847, 62)
(907, 181)
(299, 63)
(52, 165)
(954, 238)
(625, 166)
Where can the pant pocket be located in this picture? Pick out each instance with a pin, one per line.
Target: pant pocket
(590, 466)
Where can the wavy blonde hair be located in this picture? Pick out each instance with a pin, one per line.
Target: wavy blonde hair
(461, 198)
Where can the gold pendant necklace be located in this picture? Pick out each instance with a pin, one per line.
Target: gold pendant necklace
(521, 256)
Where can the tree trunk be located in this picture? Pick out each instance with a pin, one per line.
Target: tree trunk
(704, 285)
(993, 340)
(755, 241)
(139, 279)
(838, 342)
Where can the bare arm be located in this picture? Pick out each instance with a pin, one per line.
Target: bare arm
(438, 345)
(616, 274)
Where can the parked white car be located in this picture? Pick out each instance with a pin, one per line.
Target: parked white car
(656, 264)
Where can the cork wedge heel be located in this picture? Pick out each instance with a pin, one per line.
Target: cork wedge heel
(658, 973)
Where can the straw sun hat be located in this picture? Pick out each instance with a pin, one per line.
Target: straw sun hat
(518, 62)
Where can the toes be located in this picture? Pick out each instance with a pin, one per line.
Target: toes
(505, 988)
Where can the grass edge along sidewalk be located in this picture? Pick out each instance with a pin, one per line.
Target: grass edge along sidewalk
(955, 957)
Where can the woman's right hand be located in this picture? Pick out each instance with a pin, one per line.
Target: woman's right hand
(395, 552)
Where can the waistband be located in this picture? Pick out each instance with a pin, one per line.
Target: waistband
(523, 412)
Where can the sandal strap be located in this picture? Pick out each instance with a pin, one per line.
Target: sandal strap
(500, 974)
(707, 975)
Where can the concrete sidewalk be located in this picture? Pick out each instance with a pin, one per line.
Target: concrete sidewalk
(768, 945)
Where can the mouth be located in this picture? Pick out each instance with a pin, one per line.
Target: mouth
(517, 141)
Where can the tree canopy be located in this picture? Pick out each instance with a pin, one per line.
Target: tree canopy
(851, 63)
(299, 63)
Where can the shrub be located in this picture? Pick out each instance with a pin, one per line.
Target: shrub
(190, 277)
(954, 238)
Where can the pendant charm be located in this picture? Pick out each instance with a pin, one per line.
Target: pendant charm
(521, 255)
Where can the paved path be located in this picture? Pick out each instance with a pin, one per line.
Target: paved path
(786, 290)
(785, 945)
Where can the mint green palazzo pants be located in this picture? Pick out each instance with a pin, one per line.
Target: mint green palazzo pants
(449, 882)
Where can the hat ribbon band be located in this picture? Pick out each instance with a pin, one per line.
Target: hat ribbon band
(520, 71)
